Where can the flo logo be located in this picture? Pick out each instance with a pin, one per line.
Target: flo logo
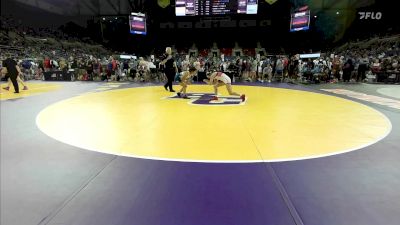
(209, 99)
(370, 15)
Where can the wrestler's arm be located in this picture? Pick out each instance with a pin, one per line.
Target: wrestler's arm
(18, 69)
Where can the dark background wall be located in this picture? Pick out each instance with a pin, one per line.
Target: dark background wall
(270, 26)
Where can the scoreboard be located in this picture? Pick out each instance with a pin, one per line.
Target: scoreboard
(137, 23)
(215, 7)
(300, 20)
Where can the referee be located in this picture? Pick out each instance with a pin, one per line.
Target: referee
(12, 73)
(170, 68)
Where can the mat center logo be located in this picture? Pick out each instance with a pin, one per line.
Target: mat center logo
(209, 99)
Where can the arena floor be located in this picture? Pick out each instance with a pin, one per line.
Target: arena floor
(83, 153)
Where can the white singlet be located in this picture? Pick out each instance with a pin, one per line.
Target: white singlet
(223, 78)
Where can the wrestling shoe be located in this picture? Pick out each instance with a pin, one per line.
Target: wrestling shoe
(243, 97)
(214, 98)
(6, 88)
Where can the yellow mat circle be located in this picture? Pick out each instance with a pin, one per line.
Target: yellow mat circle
(33, 89)
(273, 124)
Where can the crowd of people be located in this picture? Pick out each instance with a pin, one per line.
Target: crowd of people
(37, 50)
(374, 59)
(346, 66)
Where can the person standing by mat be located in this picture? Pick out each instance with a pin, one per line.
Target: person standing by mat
(170, 68)
(219, 79)
(12, 71)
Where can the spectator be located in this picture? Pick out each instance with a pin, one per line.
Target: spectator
(279, 67)
(267, 71)
(362, 68)
(347, 69)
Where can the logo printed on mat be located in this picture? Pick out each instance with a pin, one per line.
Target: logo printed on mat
(207, 99)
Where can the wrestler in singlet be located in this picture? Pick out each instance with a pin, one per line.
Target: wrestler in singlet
(218, 79)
